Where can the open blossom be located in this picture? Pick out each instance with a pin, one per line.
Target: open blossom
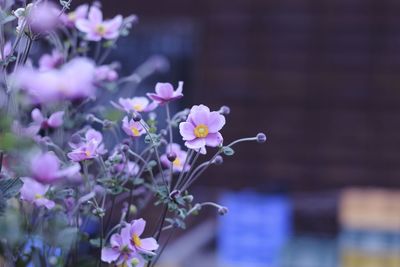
(134, 230)
(46, 169)
(55, 120)
(40, 17)
(90, 148)
(177, 164)
(34, 192)
(105, 73)
(132, 128)
(202, 128)
(96, 28)
(121, 252)
(51, 61)
(165, 93)
(70, 18)
(137, 104)
(73, 80)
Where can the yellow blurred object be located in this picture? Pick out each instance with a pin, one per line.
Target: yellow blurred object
(362, 259)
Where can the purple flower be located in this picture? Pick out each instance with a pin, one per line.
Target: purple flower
(34, 192)
(137, 104)
(121, 252)
(90, 148)
(46, 169)
(177, 164)
(129, 168)
(133, 231)
(6, 51)
(79, 13)
(105, 73)
(73, 80)
(202, 128)
(165, 93)
(96, 29)
(55, 120)
(51, 61)
(44, 17)
(132, 128)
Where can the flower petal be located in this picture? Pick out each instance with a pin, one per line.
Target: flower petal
(215, 122)
(56, 119)
(196, 144)
(214, 139)
(95, 15)
(109, 254)
(165, 90)
(186, 129)
(84, 25)
(149, 244)
(37, 116)
(137, 226)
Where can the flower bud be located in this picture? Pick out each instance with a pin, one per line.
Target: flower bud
(90, 118)
(174, 194)
(218, 160)
(222, 211)
(261, 138)
(225, 110)
(171, 156)
(76, 139)
(136, 117)
(107, 124)
(163, 132)
(124, 148)
(132, 209)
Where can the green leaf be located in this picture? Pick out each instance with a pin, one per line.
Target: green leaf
(228, 151)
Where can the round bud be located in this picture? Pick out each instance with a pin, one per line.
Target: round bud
(136, 117)
(218, 160)
(132, 209)
(261, 138)
(225, 110)
(76, 139)
(107, 124)
(174, 194)
(163, 132)
(222, 211)
(171, 156)
(124, 148)
(90, 118)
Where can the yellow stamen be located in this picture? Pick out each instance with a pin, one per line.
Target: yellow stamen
(87, 153)
(177, 162)
(72, 16)
(201, 131)
(136, 240)
(38, 196)
(137, 107)
(135, 131)
(100, 29)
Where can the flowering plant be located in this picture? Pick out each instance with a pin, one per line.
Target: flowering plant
(78, 172)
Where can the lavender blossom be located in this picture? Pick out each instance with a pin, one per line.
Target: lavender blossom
(34, 193)
(90, 148)
(105, 73)
(165, 93)
(55, 120)
(132, 128)
(133, 231)
(70, 18)
(51, 61)
(178, 162)
(137, 104)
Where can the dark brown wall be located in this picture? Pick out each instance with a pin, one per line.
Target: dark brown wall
(320, 77)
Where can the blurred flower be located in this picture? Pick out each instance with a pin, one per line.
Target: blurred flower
(6, 51)
(132, 128)
(130, 168)
(73, 80)
(121, 252)
(45, 168)
(55, 120)
(89, 149)
(43, 17)
(34, 192)
(133, 231)
(105, 73)
(96, 29)
(178, 162)
(70, 18)
(202, 128)
(51, 61)
(21, 14)
(165, 93)
(137, 104)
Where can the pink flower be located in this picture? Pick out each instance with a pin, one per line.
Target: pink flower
(177, 164)
(137, 104)
(89, 149)
(202, 128)
(6, 51)
(132, 128)
(46, 169)
(55, 120)
(105, 73)
(96, 29)
(121, 252)
(73, 80)
(129, 168)
(165, 93)
(133, 231)
(44, 17)
(79, 13)
(51, 61)
(34, 192)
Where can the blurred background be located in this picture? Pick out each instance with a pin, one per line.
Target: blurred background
(322, 79)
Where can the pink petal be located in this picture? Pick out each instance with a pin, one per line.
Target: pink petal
(116, 240)
(149, 244)
(186, 129)
(179, 89)
(215, 122)
(37, 116)
(109, 255)
(84, 25)
(95, 15)
(69, 171)
(214, 139)
(164, 90)
(196, 144)
(44, 202)
(199, 116)
(114, 24)
(56, 119)
(138, 226)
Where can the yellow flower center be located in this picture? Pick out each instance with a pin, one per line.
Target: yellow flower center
(177, 162)
(136, 240)
(38, 196)
(72, 16)
(201, 131)
(124, 264)
(137, 107)
(100, 29)
(135, 131)
(87, 153)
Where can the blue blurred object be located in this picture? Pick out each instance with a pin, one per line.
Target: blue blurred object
(255, 229)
